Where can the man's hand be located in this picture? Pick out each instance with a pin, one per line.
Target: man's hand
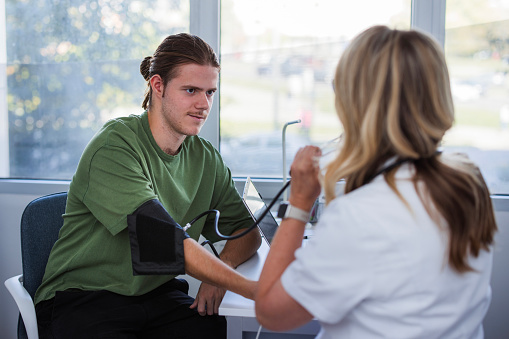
(208, 299)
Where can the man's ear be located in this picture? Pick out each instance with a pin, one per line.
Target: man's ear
(156, 82)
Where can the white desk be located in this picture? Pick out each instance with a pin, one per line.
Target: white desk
(240, 312)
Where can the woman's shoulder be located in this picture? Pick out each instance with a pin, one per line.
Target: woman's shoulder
(377, 199)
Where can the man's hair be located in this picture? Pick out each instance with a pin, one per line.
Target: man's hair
(176, 50)
(393, 97)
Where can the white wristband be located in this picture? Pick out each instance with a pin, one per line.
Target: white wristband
(288, 211)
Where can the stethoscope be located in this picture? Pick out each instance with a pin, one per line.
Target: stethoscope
(275, 199)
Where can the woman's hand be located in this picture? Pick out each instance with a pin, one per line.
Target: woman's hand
(305, 187)
(275, 308)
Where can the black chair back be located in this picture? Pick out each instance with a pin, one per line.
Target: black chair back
(40, 223)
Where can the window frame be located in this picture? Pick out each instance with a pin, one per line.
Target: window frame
(205, 19)
(4, 113)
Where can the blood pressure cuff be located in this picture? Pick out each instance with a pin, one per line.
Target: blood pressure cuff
(157, 241)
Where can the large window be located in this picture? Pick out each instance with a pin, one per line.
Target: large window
(278, 68)
(477, 51)
(278, 59)
(69, 66)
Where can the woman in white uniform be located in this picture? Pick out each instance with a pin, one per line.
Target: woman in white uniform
(406, 251)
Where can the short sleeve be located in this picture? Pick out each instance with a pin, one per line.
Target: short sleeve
(117, 186)
(329, 276)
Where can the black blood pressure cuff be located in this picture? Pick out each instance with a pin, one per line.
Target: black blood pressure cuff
(157, 241)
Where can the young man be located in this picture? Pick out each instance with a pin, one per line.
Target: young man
(112, 271)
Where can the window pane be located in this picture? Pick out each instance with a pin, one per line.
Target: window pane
(278, 58)
(477, 51)
(71, 65)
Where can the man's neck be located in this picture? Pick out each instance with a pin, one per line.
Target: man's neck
(171, 151)
(165, 138)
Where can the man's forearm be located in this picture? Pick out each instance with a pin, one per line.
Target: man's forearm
(204, 266)
(236, 251)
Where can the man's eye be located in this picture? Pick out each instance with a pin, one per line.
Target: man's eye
(190, 90)
(211, 92)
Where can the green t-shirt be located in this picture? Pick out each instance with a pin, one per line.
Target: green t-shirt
(121, 168)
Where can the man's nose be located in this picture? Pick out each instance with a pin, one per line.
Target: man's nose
(203, 101)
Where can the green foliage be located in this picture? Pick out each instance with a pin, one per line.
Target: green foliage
(69, 64)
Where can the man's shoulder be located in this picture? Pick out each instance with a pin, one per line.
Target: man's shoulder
(119, 130)
(129, 122)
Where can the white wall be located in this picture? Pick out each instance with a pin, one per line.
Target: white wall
(496, 324)
(14, 197)
(11, 207)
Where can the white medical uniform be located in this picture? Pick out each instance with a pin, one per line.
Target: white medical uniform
(377, 269)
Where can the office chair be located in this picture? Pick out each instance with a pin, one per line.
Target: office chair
(40, 223)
